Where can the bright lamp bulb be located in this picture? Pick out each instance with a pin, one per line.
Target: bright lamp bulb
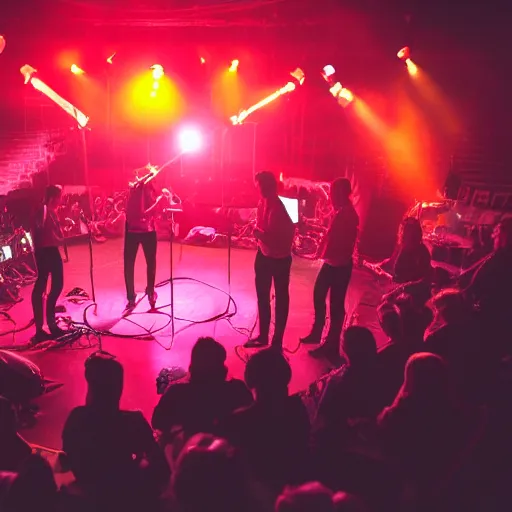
(190, 140)
(76, 70)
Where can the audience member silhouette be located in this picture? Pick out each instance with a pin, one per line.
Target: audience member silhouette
(351, 392)
(416, 317)
(491, 286)
(309, 497)
(112, 452)
(209, 476)
(14, 449)
(32, 488)
(425, 429)
(454, 336)
(197, 403)
(273, 433)
(393, 356)
(345, 502)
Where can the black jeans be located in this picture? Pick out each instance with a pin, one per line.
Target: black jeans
(131, 246)
(278, 270)
(335, 280)
(49, 263)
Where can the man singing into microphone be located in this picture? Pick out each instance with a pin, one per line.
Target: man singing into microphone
(141, 208)
(47, 237)
(274, 232)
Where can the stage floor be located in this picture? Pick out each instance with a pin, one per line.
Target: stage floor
(144, 358)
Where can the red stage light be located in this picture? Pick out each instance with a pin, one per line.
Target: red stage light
(404, 53)
(2, 43)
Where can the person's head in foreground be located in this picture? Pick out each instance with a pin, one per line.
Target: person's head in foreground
(341, 189)
(32, 488)
(267, 184)
(268, 374)
(391, 322)
(310, 497)
(427, 379)
(208, 361)
(209, 476)
(105, 377)
(450, 306)
(412, 234)
(359, 346)
(53, 196)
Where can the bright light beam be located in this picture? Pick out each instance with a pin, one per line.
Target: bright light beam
(289, 87)
(190, 140)
(76, 70)
(27, 71)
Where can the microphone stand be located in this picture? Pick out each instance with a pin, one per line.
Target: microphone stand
(171, 273)
(87, 223)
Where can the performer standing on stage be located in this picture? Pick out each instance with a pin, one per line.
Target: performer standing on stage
(47, 237)
(274, 232)
(141, 208)
(336, 250)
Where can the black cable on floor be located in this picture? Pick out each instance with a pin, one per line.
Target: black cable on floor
(229, 312)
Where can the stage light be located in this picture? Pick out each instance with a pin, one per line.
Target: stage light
(298, 74)
(404, 53)
(153, 94)
(405, 56)
(156, 85)
(203, 60)
(345, 97)
(328, 71)
(76, 70)
(2, 43)
(28, 72)
(342, 94)
(190, 140)
(411, 67)
(110, 60)
(336, 89)
(158, 71)
(234, 66)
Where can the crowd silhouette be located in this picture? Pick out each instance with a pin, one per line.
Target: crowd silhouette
(423, 423)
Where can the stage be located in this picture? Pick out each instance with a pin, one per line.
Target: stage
(193, 301)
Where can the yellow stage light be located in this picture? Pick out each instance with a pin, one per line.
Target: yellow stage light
(234, 66)
(411, 67)
(76, 70)
(298, 74)
(345, 97)
(244, 114)
(158, 71)
(342, 94)
(203, 60)
(110, 60)
(148, 104)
